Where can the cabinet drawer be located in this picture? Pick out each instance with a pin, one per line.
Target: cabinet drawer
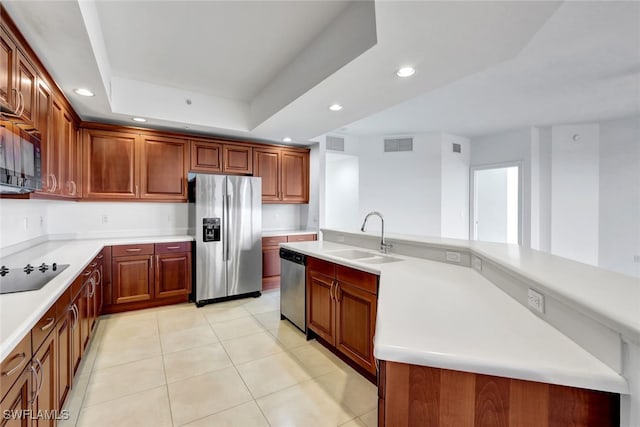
(43, 328)
(14, 364)
(321, 266)
(301, 238)
(126, 250)
(62, 304)
(273, 241)
(167, 248)
(360, 279)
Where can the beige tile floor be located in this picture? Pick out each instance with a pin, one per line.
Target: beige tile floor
(229, 364)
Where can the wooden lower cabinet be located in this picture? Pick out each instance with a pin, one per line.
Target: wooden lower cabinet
(45, 364)
(64, 342)
(271, 257)
(411, 395)
(158, 274)
(77, 337)
(131, 279)
(173, 275)
(16, 401)
(341, 309)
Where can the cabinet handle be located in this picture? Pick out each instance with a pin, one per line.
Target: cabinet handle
(100, 256)
(86, 274)
(55, 183)
(93, 264)
(39, 380)
(21, 103)
(50, 323)
(338, 292)
(136, 190)
(333, 282)
(75, 188)
(133, 250)
(74, 310)
(99, 279)
(173, 247)
(13, 370)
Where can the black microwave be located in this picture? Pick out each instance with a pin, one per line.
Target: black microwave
(20, 159)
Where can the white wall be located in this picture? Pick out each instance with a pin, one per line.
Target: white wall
(619, 208)
(342, 197)
(281, 217)
(22, 220)
(574, 192)
(85, 219)
(454, 196)
(508, 147)
(403, 186)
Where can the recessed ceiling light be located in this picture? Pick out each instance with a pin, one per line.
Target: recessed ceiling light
(335, 107)
(406, 72)
(84, 92)
(286, 139)
(138, 119)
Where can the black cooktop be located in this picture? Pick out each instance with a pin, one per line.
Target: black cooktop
(28, 278)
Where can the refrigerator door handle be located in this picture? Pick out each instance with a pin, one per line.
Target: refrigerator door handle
(226, 230)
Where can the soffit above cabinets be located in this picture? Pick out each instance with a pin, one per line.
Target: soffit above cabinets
(269, 69)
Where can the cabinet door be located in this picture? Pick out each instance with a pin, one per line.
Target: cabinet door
(17, 400)
(131, 279)
(65, 377)
(237, 159)
(173, 275)
(164, 168)
(294, 177)
(26, 86)
(87, 315)
(320, 305)
(355, 324)
(44, 115)
(79, 304)
(46, 364)
(206, 156)
(110, 161)
(7, 70)
(69, 155)
(271, 261)
(266, 164)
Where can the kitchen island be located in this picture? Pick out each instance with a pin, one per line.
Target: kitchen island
(447, 315)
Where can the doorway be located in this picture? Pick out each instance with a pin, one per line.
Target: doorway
(496, 203)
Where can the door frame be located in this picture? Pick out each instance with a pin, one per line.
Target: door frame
(472, 194)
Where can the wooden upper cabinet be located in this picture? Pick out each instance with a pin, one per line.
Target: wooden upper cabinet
(284, 173)
(164, 168)
(69, 151)
(110, 161)
(206, 156)
(294, 177)
(25, 85)
(237, 159)
(266, 164)
(7, 70)
(43, 124)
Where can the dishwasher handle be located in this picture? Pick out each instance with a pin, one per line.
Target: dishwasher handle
(295, 257)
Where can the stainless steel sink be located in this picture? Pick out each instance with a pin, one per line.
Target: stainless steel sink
(380, 259)
(351, 254)
(363, 256)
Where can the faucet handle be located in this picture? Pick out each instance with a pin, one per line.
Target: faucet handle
(384, 247)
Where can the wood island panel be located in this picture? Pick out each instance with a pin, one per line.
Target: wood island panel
(412, 396)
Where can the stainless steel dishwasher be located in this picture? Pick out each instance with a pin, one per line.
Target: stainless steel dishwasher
(292, 288)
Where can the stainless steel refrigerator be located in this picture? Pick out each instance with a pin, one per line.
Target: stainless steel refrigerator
(225, 218)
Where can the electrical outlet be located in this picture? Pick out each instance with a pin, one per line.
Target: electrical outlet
(477, 264)
(453, 256)
(105, 219)
(536, 300)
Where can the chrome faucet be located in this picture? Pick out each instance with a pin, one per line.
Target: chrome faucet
(384, 247)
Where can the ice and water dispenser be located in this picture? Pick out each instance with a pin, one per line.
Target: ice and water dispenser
(211, 229)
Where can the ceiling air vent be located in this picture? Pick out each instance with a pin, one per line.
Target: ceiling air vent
(398, 144)
(457, 148)
(335, 143)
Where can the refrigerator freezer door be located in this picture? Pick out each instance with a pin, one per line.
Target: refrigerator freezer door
(211, 274)
(244, 230)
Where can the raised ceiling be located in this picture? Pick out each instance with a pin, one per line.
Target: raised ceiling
(269, 69)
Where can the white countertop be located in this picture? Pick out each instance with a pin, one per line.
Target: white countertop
(447, 316)
(272, 233)
(20, 311)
